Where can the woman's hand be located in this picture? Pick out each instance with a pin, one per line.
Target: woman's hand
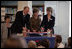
(24, 28)
(42, 29)
(28, 30)
(49, 30)
(34, 30)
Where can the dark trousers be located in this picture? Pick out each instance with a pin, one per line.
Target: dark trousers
(9, 32)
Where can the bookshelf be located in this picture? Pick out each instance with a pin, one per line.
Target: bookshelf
(40, 7)
(10, 11)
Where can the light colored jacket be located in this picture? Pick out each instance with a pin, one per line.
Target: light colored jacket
(4, 32)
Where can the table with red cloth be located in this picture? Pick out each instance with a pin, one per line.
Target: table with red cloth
(51, 39)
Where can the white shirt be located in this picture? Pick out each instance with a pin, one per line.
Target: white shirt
(49, 19)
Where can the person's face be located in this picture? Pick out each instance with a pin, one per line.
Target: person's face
(26, 11)
(49, 12)
(36, 14)
(7, 20)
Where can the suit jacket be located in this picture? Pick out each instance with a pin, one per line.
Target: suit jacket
(48, 24)
(20, 21)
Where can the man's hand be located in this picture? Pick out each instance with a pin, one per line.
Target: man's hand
(24, 28)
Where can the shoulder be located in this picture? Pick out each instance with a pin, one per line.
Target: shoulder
(28, 15)
(31, 18)
(19, 11)
(3, 24)
(53, 17)
(39, 19)
(45, 16)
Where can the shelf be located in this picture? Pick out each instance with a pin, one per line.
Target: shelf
(10, 14)
(9, 6)
(9, 10)
(4, 22)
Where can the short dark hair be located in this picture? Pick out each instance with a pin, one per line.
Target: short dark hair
(49, 9)
(44, 42)
(26, 7)
(6, 17)
(35, 10)
(58, 39)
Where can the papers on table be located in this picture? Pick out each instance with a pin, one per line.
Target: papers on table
(19, 34)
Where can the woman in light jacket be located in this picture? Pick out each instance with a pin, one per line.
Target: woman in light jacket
(4, 28)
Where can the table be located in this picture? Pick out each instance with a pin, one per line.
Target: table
(51, 39)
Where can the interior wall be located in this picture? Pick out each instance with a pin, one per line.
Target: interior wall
(62, 17)
(22, 4)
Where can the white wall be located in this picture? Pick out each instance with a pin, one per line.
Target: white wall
(30, 6)
(22, 4)
(69, 18)
(62, 17)
(37, 2)
(52, 4)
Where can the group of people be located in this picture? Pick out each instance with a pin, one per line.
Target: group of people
(34, 23)
(23, 20)
(45, 43)
(15, 42)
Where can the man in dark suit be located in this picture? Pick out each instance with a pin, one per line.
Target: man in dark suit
(22, 20)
